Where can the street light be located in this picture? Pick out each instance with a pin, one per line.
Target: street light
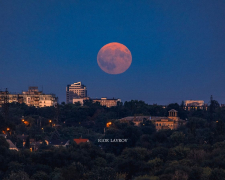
(50, 122)
(108, 124)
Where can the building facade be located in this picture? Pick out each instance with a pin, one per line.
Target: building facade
(75, 91)
(194, 105)
(107, 102)
(171, 122)
(32, 97)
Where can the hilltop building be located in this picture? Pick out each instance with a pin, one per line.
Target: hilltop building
(107, 102)
(32, 97)
(194, 105)
(170, 122)
(75, 91)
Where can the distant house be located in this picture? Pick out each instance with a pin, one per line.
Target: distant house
(58, 143)
(107, 102)
(195, 105)
(136, 119)
(35, 144)
(170, 122)
(11, 145)
(78, 141)
(23, 138)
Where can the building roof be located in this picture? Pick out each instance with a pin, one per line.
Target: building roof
(11, 145)
(141, 118)
(58, 142)
(99, 99)
(172, 110)
(78, 141)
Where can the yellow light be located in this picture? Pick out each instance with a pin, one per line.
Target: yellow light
(23, 120)
(50, 121)
(26, 122)
(8, 129)
(42, 128)
(108, 124)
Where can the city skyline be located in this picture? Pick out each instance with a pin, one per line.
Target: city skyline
(177, 48)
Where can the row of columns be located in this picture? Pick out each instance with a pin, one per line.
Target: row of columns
(173, 114)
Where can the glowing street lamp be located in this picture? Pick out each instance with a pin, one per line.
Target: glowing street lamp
(50, 122)
(8, 129)
(108, 124)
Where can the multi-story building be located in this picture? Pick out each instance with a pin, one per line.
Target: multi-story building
(32, 97)
(75, 91)
(170, 122)
(107, 102)
(194, 105)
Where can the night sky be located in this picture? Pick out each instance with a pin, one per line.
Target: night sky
(178, 47)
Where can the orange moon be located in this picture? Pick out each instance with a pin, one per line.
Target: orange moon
(114, 58)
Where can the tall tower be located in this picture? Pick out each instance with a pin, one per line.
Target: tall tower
(75, 91)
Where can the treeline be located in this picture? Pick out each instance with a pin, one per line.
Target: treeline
(91, 115)
(194, 151)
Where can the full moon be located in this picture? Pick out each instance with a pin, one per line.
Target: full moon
(114, 58)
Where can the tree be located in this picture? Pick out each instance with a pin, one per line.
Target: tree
(20, 175)
(177, 138)
(132, 161)
(217, 174)
(40, 175)
(76, 171)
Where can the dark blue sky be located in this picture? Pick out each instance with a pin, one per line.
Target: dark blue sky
(178, 47)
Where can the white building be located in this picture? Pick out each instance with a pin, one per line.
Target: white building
(75, 91)
(81, 101)
(32, 97)
(107, 102)
(194, 104)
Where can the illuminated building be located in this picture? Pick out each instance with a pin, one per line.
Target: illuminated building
(194, 105)
(81, 101)
(170, 122)
(75, 91)
(107, 102)
(32, 97)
